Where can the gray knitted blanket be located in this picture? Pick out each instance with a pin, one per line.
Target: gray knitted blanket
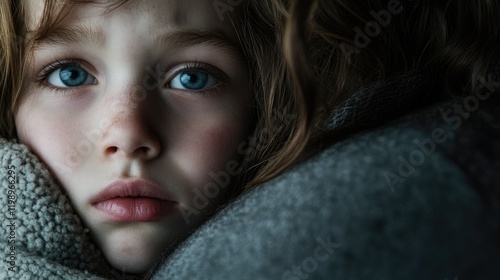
(41, 237)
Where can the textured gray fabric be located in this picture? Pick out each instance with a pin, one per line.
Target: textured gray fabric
(383, 101)
(433, 217)
(48, 238)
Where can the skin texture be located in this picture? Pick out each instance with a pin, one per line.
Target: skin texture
(128, 122)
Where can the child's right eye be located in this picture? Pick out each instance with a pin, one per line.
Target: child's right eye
(70, 76)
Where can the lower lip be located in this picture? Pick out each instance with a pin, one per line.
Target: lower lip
(136, 209)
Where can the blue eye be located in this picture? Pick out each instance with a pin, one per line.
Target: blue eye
(70, 76)
(193, 80)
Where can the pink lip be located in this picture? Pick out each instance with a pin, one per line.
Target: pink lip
(134, 201)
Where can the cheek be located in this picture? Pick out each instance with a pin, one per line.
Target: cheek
(49, 138)
(211, 148)
(204, 139)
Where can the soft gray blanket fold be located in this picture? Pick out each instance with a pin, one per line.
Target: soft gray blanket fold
(41, 236)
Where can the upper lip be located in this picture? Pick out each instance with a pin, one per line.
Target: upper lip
(134, 188)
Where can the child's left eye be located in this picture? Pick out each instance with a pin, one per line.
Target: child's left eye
(70, 76)
(193, 80)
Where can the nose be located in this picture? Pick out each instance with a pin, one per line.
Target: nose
(128, 133)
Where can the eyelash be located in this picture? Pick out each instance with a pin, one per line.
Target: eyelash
(199, 66)
(218, 75)
(46, 71)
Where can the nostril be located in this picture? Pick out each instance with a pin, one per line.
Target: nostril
(143, 151)
(111, 150)
(140, 151)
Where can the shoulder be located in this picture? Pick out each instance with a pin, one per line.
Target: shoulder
(405, 201)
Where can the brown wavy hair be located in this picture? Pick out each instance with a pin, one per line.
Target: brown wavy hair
(455, 41)
(11, 63)
(304, 61)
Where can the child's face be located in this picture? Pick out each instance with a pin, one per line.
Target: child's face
(135, 102)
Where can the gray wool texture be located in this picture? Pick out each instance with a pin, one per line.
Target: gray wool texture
(50, 241)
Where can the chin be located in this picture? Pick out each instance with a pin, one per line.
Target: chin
(138, 263)
(133, 252)
(133, 261)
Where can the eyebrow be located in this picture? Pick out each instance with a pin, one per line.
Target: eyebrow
(181, 38)
(73, 35)
(186, 38)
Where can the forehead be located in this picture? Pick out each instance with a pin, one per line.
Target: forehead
(155, 14)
